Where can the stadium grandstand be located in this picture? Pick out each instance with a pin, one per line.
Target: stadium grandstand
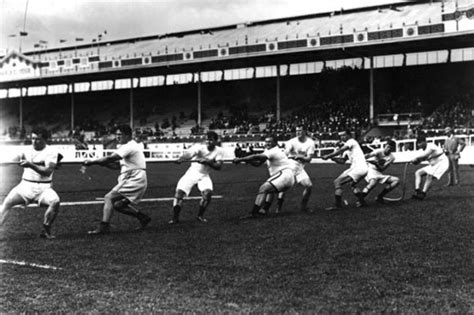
(389, 70)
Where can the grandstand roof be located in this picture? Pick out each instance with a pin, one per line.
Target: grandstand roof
(16, 55)
(248, 44)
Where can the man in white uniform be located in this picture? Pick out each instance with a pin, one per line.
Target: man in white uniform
(438, 164)
(204, 158)
(300, 149)
(378, 161)
(38, 162)
(282, 172)
(355, 173)
(132, 181)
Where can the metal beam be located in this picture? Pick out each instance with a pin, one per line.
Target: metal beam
(199, 100)
(371, 90)
(72, 107)
(131, 103)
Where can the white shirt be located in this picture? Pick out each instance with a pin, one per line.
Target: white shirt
(378, 155)
(45, 157)
(355, 154)
(200, 151)
(278, 160)
(434, 152)
(295, 147)
(132, 156)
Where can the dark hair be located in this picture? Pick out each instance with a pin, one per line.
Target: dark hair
(391, 144)
(212, 135)
(273, 136)
(302, 126)
(43, 132)
(421, 138)
(125, 129)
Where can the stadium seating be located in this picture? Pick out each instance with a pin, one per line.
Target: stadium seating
(337, 22)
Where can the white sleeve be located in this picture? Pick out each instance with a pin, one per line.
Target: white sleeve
(51, 158)
(193, 151)
(288, 147)
(350, 144)
(311, 148)
(268, 154)
(124, 150)
(220, 154)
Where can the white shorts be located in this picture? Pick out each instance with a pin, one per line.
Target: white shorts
(30, 192)
(374, 174)
(301, 175)
(283, 180)
(356, 173)
(438, 168)
(132, 185)
(189, 179)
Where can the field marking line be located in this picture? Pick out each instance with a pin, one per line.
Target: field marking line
(171, 198)
(98, 201)
(24, 263)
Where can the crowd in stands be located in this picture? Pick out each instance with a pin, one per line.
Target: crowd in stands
(322, 120)
(457, 116)
(332, 101)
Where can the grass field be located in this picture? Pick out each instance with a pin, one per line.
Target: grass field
(406, 257)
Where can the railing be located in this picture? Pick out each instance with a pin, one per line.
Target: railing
(157, 152)
(399, 119)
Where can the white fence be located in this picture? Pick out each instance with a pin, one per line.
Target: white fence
(160, 152)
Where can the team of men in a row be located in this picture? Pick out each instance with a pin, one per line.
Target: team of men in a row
(286, 168)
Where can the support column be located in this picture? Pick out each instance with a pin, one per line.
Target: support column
(278, 105)
(371, 89)
(20, 114)
(131, 103)
(199, 100)
(72, 108)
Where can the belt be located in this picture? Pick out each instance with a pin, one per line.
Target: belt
(38, 182)
(134, 169)
(436, 156)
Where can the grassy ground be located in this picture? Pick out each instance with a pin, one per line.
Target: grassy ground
(407, 257)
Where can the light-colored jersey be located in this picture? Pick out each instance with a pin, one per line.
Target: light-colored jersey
(295, 147)
(355, 154)
(277, 160)
(132, 156)
(434, 152)
(46, 157)
(200, 151)
(379, 155)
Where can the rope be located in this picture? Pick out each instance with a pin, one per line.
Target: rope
(404, 182)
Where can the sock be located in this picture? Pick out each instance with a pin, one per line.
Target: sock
(141, 216)
(176, 211)
(338, 200)
(201, 211)
(280, 202)
(47, 228)
(255, 209)
(383, 193)
(266, 205)
(360, 196)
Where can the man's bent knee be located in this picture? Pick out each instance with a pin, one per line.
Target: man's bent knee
(179, 194)
(206, 195)
(266, 188)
